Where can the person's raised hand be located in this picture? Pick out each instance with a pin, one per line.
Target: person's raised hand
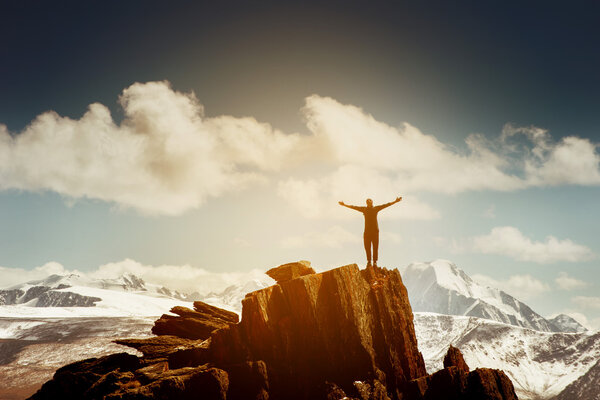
(341, 203)
(398, 199)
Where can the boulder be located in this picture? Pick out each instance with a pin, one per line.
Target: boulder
(287, 272)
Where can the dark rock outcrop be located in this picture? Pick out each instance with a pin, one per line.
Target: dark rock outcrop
(454, 358)
(74, 380)
(344, 333)
(456, 382)
(159, 348)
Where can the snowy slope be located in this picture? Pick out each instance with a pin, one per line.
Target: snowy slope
(540, 364)
(75, 296)
(586, 387)
(38, 346)
(441, 287)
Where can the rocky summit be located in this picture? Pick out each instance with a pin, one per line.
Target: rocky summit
(342, 334)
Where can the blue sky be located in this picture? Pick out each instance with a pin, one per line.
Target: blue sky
(221, 137)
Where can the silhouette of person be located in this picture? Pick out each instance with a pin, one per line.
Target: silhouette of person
(371, 233)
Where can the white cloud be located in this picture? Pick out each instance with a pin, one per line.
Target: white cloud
(522, 287)
(185, 278)
(573, 160)
(368, 158)
(566, 282)
(13, 276)
(509, 241)
(334, 237)
(165, 157)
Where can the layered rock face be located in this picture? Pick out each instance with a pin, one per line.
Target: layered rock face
(344, 333)
(342, 326)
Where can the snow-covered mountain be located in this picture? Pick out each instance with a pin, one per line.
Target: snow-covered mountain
(77, 296)
(441, 287)
(540, 364)
(490, 327)
(564, 323)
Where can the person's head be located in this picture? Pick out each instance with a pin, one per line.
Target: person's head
(369, 203)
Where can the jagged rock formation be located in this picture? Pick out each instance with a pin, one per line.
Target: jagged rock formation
(341, 326)
(454, 358)
(344, 333)
(194, 324)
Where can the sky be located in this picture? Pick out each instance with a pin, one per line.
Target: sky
(195, 142)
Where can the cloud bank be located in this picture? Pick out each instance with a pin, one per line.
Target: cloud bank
(185, 278)
(522, 287)
(166, 157)
(510, 242)
(566, 282)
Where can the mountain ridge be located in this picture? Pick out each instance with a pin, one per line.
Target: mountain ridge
(441, 287)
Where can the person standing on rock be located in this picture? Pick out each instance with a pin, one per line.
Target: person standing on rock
(371, 234)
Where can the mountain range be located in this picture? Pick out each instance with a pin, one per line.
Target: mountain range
(441, 287)
(543, 357)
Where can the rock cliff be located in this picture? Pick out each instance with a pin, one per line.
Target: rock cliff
(343, 333)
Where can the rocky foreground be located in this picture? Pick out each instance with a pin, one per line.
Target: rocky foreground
(344, 333)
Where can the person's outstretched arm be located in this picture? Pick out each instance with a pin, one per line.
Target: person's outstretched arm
(357, 208)
(382, 206)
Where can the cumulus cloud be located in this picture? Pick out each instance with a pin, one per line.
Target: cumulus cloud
(13, 276)
(566, 282)
(523, 287)
(165, 157)
(185, 278)
(368, 158)
(509, 241)
(572, 160)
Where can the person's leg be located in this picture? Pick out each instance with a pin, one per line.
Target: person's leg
(375, 239)
(367, 242)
